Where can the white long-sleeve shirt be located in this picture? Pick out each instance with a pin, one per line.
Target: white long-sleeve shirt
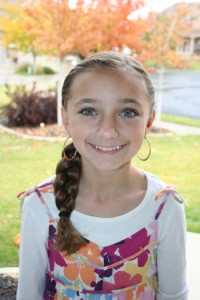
(171, 257)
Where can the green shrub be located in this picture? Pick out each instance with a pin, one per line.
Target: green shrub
(47, 70)
(27, 69)
(149, 63)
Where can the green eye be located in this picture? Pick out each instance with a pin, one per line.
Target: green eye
(128, 113)
(88, 111)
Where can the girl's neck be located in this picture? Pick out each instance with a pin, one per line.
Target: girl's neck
(106, 184)
(110, 194)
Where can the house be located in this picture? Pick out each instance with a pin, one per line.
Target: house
(189, 15)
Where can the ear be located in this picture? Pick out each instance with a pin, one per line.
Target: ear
(150, 122)
(65, 120)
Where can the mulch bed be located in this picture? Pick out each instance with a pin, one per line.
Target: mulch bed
(47, 131)
(8, 286)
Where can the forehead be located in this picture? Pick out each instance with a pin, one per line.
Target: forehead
(105, 79)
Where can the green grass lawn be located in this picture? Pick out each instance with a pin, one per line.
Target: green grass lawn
(24, 163)
(180, 120)
(3, 97)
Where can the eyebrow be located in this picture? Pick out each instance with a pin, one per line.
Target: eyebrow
(130, 100)
(85, 101)
(93, 101)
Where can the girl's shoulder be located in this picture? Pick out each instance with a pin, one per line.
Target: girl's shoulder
(38, 191)
(165, 199)
(162, 190)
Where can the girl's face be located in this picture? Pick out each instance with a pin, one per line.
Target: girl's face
(107, 116)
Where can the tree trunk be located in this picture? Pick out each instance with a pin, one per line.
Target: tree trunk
(59, 95)
(159, 97)
(34, 61)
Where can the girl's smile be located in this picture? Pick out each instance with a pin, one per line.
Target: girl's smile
(107, 149)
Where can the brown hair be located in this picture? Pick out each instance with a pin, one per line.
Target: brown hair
(68, 173)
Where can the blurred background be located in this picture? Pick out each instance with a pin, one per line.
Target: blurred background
(41, 40)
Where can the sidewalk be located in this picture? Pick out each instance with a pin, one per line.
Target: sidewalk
(177, 128)
(193, 266)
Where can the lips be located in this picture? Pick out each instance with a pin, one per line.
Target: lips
(107, 149)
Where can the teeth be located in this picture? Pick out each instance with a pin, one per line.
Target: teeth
(108, 148)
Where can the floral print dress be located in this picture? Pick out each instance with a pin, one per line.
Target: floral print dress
(122, 271)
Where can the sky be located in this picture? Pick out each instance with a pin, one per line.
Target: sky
(153, 5)
(158, 5)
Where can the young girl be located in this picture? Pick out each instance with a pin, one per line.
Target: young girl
(103, 229)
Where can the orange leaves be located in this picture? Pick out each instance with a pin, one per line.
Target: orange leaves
(17, 239)
(50, 21)
(58, 28)
(114, 26)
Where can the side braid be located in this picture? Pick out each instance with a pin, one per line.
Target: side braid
(66, 186)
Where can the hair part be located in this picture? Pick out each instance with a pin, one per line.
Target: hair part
(68, 173)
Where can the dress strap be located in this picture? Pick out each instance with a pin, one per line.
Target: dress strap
(166, 193)
(43, 188)
(38, 192)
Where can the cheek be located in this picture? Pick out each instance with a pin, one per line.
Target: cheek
(136, 135)
(135, 127)
(80, 130)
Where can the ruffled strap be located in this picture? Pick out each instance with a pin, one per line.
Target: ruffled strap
(167, 192)
(43, 188)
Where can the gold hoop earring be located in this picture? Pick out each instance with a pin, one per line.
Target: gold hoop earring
(64, 154)
(144, 159)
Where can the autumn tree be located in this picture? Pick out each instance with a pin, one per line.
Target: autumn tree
(56, 22)
(15, 34)
(85, 28)
(113, 26)
(58, 28)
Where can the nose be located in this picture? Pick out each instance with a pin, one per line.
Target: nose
(108, 129)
